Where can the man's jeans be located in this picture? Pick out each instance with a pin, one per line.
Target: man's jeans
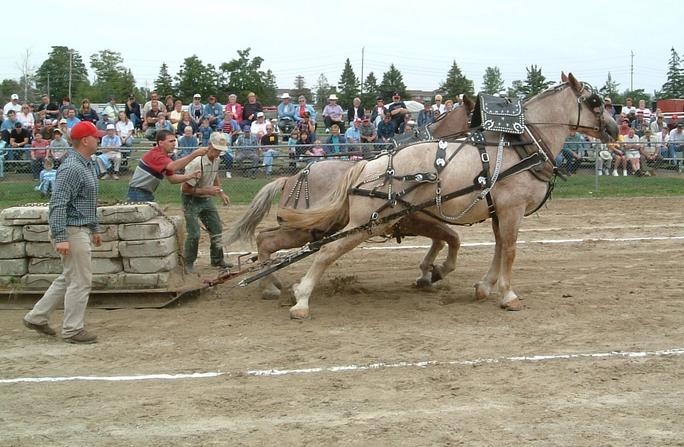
(196, 209)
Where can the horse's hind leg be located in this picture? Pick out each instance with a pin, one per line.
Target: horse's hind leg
(509, 223)
(484, 287)
(454, 243)
(322, 260)
(270, 241)
(439, 233)
(426, 265)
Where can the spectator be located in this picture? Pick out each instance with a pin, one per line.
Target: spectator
(407, 135)
(13, 104)
(604, 159)
(111, 152)
(176, 115)
(234, 107)
(251, 109)
(87, 113)
(112, 108)
(185, 122)
(214, 111)
(65, 106)
(162, 123)
(286, 114)
(368, 136)
(355, 111)
(316, 151)
(407, 119)
(302, 109)
(58, 146)
(353, 135)
(40, 151)
(269, 139)
(230, 126)
(638, 123)
(386, 129)
(570, 154)
(229, 155)
(51, 109)
(72, 120)
(19, 140)
(658, 124)
(196, 109)
(306, 124)
(204, 132)
(247, 147)
(332, 114)
(608, 105)
(448, 106)
(650, 151)
(425, 116)
(187, 143)
(335, 142)
(259, 126)
(645, 111)
(124, 129)
(378, 111)
(674, 119)
(103, 122)
(304, 138)
(632, 150)
(132, 110)
(154, 97)
(397, 111)
(47, 178)
(151, 118)
(9, 124)
(666, 151)
(64, 127)
(292, 145)
(169, 104)
(624, 127)
(628, 108)
(618, 160)
(25, 117)
(48, 130)
(438, 105)
(676, 140)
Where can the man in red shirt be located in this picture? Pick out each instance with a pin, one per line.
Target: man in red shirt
(156, 164)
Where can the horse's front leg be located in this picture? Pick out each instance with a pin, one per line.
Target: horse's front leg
(509, 224)
(322, 260)
(484, 287)
(270, 241)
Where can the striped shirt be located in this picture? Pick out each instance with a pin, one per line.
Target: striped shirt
(74, 199)
(151, 170)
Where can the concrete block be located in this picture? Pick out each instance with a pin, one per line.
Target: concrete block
(110, 233)
(155, 228)
(41, 250)
(107, 265)
(23, 215)
(132, 281)
(10, 234)
(150, 265)
(45, 265)
(13, 250)
(9, 282)
(37, 281)
(37, 233)
(106, 250)
(148, 248)
(116, 214)
(14, 267)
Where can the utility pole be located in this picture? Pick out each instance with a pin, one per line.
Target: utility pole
(71, 59)
(363, 49)
(48, 85)
(631, 72)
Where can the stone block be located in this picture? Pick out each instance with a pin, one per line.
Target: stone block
(45, 265)
(37, 281)
(110, 233)
(155, 228)
(10, 233)
(150, 265)
(37, 233)
(106, 250)
(24, 215)
(140, 212)
(14, 267)
(107, 265)
(13, 250)
(41, 250)
(134, 281)
(148, 248)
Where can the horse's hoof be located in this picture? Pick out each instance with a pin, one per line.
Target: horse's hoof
(271, 294)
(277, 283)
(423, 283)
(436, 274)
(514, 304)
(300, 314)
(287, 301)
(481, 291)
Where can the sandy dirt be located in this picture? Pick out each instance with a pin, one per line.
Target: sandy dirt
(582, 297)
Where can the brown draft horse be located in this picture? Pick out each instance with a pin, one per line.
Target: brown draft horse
(311, 186)
(549, 115)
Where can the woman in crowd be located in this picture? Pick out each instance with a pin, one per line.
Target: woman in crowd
(132, 109)
(170, 104)
(186, 121)
(87, 113)
(124, 129)
(250, 110)
(25, 117)
(176, 114)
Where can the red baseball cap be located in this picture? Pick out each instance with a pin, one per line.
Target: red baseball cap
(85, 129)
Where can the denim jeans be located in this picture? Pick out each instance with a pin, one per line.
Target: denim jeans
(196, 209)
(139, 195)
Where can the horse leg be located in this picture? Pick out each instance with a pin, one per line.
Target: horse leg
(425, 278)
(322, 260)
(509, 224)
(484, 287)
(270, 241)
(454, 243)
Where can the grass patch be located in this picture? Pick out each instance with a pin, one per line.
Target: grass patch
(580, 186)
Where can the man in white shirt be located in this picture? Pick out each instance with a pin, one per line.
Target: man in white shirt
(13, 104)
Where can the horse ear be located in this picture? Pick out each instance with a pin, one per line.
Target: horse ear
(574, 83)
(468, 103)
(563, 77)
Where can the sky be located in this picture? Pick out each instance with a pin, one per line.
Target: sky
(421, 38)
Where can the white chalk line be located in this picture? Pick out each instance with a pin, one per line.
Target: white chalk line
(350, 368)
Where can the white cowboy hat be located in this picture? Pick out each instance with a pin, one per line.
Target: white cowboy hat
(331, 97)
(285, 96)
(605, 155)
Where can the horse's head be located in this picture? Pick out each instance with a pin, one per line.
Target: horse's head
(592, 118)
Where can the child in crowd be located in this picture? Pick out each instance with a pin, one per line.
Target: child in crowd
(204, 132)
(316, 151)
(188, 142)
(47, 178)
(39, 153)
(292, 143)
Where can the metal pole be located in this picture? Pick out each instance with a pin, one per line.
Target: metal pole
(363, 49)
(631, 72)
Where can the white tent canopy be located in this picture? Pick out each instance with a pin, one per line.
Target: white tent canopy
(412, 106)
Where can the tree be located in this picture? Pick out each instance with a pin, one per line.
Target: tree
(492, 81)
(348, 86)
(371, 92)
(164, 83)
(111, 77)
(195, 77)
(244, 76)
(535, 83)
(674, 85)
(610, 89)
(323, 90)
(516, 89)
(27, 78)
(456, 83)
(392, 81)
(54, 72)
(301, 89)
(637, 95)
(9, 86)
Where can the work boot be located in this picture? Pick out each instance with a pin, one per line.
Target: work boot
(189, 268)
(82, 337)
(41, 328)
(223, 264)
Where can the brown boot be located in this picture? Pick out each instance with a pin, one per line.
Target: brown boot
(82, 337)
(41, 328)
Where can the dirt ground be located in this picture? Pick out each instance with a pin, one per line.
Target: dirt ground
(579, 297)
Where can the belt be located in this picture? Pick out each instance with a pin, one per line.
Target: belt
(133, 188)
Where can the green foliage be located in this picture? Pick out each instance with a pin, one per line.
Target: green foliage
(111, 77)
(164, 83)
(301, 89)
(370, 91)
(323, 90)
(636, 95)
(243, 75)
(492, 81)
(348, 87)
(674, 85)
(515, 89)
(610, 89)
(456, 84)
(534, 83)
(195, 77)
(56, 67)
(9, 86)
(392, 81)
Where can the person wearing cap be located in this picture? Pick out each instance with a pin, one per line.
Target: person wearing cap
(157, 164)
(73, 230)
(353, 134)
(111, 153)
(425, 116)
(19, 140)
(196, 195)
(51, 109)
(307, 124)
(608, 105)
(368, 135)
(196, 109)
(58, 146)
(104, 121)
(133, 112)
(48, 129)
(13, 104)
(269, 139)
(674, 119)
(251, 109)
(397, 110)
(302, 109)
(332, 114)
(286, 114)
(259, 126)
(213, 111)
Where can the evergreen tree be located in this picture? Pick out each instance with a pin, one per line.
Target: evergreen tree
(456, 84)
(674, 85)
(535, 83)
(492, 81)
(371, 91)
(111, 77)
(244, 75)
(323, 90)
(164, 83)
(392, 81)
(516, 89)
(636, 95)
(56, 69)
(195, 77)
(610, 89)
(9, 86)
(348, 86)
(269, 91)
(301, 89)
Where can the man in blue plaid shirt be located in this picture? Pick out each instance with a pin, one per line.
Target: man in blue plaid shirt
(73, 226)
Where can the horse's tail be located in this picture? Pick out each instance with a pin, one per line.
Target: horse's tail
(327, 216)
(244, 228)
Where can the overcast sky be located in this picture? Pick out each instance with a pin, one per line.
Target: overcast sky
(422, 38)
